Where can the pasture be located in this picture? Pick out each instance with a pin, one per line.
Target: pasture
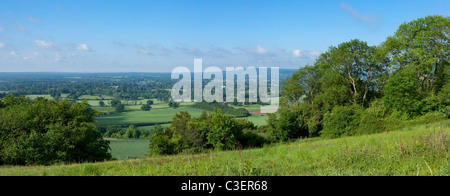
(129, 149)
(154, 116)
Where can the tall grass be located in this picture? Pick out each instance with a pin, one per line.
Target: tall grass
(421, 150)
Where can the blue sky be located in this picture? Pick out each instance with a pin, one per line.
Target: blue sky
(157, 36)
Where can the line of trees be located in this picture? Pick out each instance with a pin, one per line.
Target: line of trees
(239, 112)
(132, 132)
(129, 86)
(356, 89)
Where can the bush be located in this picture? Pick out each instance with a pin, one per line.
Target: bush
(370, 123)
(428, 118)
(160, 145)
(289, 125)
(372, 119)
(342, 121)
(222, 133)
(252, 138)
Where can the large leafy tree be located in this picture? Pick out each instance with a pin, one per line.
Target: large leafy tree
(46, 131)
(424, 46)
(355, 61)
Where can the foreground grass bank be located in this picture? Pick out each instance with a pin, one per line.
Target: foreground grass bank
(422, 150)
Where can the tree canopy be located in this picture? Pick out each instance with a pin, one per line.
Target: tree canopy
(46, 131)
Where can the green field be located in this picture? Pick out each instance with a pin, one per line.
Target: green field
(153, 116)
(250, 108)
(258, 120)
(129, 149)
(36, 96)
(422, 150)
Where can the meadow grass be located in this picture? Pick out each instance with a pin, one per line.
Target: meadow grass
(421, 150)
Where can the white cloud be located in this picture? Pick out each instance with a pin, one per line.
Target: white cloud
(13, 53)
(83, 47)
(368, 18)
(311, 54)
(44, 45)
(2, 45)
(1, 28)
(33, 20)
(260, 50)
(296, 53)
(142, 51)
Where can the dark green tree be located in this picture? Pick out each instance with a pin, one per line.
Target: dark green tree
(146, 107)
(46, 131)
(120, 108)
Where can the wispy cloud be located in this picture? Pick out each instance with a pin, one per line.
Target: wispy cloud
(2, 45)
(120, 44)
(33, 20)
(191, 51)
(82, 47)
(280, 49)
(1, 28)
(163, 50)
(20, 28)
(261, 55)
(258, 51)
(367, 18)
(146, 52)
(44, 44)
(143, 50)
(218, 52)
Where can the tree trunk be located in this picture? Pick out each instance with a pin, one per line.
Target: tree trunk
(354, 87)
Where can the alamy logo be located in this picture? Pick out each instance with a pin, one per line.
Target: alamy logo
(213, 91)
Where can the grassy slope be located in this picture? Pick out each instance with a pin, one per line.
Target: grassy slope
(422, 150)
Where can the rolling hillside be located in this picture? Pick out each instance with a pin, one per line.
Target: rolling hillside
(421, 150)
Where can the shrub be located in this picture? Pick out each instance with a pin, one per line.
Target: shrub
(342, 121)
(160, 145)
(290, 124)
(222, 133)
(370, 123)
(372, 119)
(428, 118)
